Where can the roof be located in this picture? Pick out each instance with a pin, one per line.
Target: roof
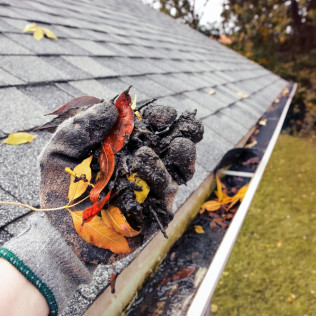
(102, 48)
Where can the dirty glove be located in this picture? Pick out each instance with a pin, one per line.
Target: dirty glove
(40, 253)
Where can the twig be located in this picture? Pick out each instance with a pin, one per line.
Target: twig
(159, 223)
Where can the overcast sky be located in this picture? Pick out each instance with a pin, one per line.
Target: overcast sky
(212, 11)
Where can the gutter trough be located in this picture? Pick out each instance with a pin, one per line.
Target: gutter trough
(202, 299)
(202, 265)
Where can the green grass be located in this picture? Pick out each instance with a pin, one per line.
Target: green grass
(272, 268)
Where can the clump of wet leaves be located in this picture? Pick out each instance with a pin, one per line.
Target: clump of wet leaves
(224, 202)
(132, 179)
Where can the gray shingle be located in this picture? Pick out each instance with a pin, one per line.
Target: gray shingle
(211, 149)
(117, 65)
(23, 67)
(8, 47)
(89, 65)
(67, 68)
(147, 86)
(20, 111)
(226, 127)
(8, 79)
(19, 172)
(49, 97)
(9, 212)
(92, 47)
(94, 88)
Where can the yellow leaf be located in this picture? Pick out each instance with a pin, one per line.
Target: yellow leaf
(263, 122)
(142, 194)
(199, 229)
(138, 116)
(76, 189)
(30, 27)
(210, 206)
(212, 91)
(98, 234)
(279, 244)
(242, 95)
(113, 217)
(241, 193)
(251, 144)
(219, 189)
(19, 138)
(277, 100)
(38, 34)
(133, 106)
(49, 33)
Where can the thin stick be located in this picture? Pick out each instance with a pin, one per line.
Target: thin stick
(159, 223)
(42, 209)
(143, 105)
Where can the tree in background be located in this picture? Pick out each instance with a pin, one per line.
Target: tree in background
(278, 34)
(281, 36)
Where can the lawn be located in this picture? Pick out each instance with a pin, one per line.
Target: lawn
(272, 268)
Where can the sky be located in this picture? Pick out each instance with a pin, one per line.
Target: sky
(212, 11)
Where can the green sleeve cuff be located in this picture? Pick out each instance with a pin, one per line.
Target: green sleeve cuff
(32, 277)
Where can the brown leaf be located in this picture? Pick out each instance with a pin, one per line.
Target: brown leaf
(250, 161)
(112, 282)
(80, 102)
(183, 273)
(98, 234)
(117, 220)
(219, 221)
(76, 189)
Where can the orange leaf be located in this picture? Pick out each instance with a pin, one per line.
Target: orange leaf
(118, 221)
(210, 206)
(199, 229)
(98, 234)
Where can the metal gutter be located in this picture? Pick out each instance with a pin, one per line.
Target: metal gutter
(202, 299)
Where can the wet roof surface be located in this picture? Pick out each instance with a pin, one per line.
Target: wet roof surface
(103, 47)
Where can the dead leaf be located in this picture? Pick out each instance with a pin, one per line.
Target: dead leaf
(76, 189)
(251, 161)
(133, 106)
(239, 195)
(263, 122)
(183, 273)
(142, 194)
(113, 217)
(279, 244)
(38, 34)
(291, 298)
(49, 33)
(219, 189)
(81, 103)
(112, 282)
(199, 229)
(98, 234)
(19, 138)
(242, 95)
(277, 100)
(253, 143)
(138, 116)
(219, 221)
(38, 31)
(212, 91)
(210, 206)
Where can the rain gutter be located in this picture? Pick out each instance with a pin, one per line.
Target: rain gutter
(202, 299)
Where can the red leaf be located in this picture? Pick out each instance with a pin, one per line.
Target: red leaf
(84, 101)
(90, 212)
(107, 163)
(112, 282)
